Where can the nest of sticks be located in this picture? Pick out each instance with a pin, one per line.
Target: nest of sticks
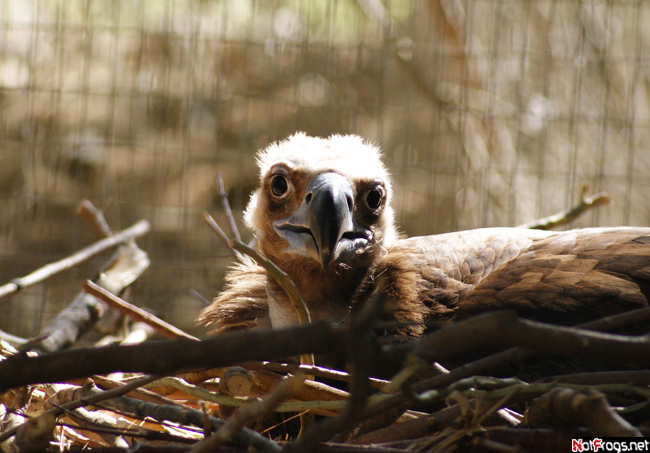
(231, 393)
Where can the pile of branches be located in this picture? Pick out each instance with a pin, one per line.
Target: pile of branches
(223, 394)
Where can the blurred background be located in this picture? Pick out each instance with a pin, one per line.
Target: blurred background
(489, 112)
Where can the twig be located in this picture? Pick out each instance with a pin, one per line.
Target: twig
(95, 218)
(638, 377)
(223, 236)
(195, 294)
(330, 402)
(280, 276)
(569, 215)
(501, 329)
(312, 370)
(200, 392)
(226, 207)
(138, 229)
(135, 313)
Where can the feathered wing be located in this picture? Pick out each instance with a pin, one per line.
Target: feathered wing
(243, 304)
(563, 277)
(571, 277)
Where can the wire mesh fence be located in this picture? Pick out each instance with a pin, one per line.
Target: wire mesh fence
(489, 112)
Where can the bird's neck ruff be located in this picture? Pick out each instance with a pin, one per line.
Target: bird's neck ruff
(328, 293)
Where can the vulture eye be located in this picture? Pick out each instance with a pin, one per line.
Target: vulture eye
(374, 197)
(279, 185)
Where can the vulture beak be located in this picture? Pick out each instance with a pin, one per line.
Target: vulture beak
(324, 227)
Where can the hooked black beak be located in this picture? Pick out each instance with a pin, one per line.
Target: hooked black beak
(329, 214)
(323, 227)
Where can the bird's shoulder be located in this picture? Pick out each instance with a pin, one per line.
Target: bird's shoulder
(465, 256)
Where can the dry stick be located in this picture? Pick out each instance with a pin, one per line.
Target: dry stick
(281, 277)
(226, 207)
(326, 399)
(138, 229)
(635, 377)
(113, 393)
(278, 274)
(223, 236)
(134, 312)
(589, 407)
(95, 218)
(310, 370)
(569, 215)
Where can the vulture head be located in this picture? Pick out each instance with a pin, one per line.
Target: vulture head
(322, 213)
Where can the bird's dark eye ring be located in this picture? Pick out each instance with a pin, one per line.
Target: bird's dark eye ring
(279, 185)
(374, 197)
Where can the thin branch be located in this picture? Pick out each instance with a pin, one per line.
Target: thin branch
(226, 207)
(221, 234)
(589, 407)
(47, 271)
(195, 294)
(569, 215)
(135, 313)
(312, 370)
(95, 218)
(280, 276)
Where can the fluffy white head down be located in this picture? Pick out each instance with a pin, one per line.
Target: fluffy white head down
(348, 155)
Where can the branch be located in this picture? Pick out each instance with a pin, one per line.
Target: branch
(226, 207)
(220, 233)
(172, 356)
(136, 313)
(139, 229)
(495, 361)
(569, 215)
(95, 218)
(280, 276)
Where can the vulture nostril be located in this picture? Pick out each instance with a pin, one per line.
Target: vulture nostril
(308, 198)
(350, 202)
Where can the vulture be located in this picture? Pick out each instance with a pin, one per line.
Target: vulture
(323, 213)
